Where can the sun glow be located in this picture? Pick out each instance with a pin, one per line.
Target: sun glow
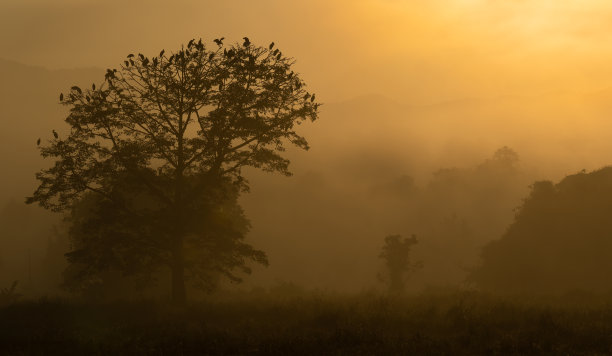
(503, 46)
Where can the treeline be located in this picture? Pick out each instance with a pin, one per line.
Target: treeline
(451, 217)
(555, 241)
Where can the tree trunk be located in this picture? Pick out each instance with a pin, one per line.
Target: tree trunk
(179, 294)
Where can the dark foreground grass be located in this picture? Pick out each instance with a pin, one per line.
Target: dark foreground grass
(451, 324)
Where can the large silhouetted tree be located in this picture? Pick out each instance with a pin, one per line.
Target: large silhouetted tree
(175, 124)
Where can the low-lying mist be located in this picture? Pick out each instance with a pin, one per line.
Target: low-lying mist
(452, 174)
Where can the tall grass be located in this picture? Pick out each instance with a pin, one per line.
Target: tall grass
(460, 323)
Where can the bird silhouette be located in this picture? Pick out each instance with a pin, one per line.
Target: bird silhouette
(55, 134)
(61, 96)
(109, 74)
(38, 142)
(219, 41)
(271, 45)
(246, 42)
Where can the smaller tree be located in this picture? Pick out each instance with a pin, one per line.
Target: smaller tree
(396, 255)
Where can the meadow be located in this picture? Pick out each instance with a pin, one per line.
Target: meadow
(451, 323)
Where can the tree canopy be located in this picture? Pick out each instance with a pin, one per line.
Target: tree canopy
(176, 124)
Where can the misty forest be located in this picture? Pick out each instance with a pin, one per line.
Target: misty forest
(352, 177)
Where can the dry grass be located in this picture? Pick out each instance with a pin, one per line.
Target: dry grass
(454, 324)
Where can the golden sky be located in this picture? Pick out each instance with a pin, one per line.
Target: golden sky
(414, 51)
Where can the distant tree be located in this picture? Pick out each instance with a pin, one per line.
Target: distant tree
(396, 255)
(506, 156)
(174, 123)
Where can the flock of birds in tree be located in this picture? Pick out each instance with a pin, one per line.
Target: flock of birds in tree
(145, 61)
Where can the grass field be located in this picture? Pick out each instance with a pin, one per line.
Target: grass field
(458, 323)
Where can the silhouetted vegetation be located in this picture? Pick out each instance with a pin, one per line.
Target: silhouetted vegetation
(9, 295)
(453, 323)
(398, 264)
(156, 140)
(559, 240)
(115, 251)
